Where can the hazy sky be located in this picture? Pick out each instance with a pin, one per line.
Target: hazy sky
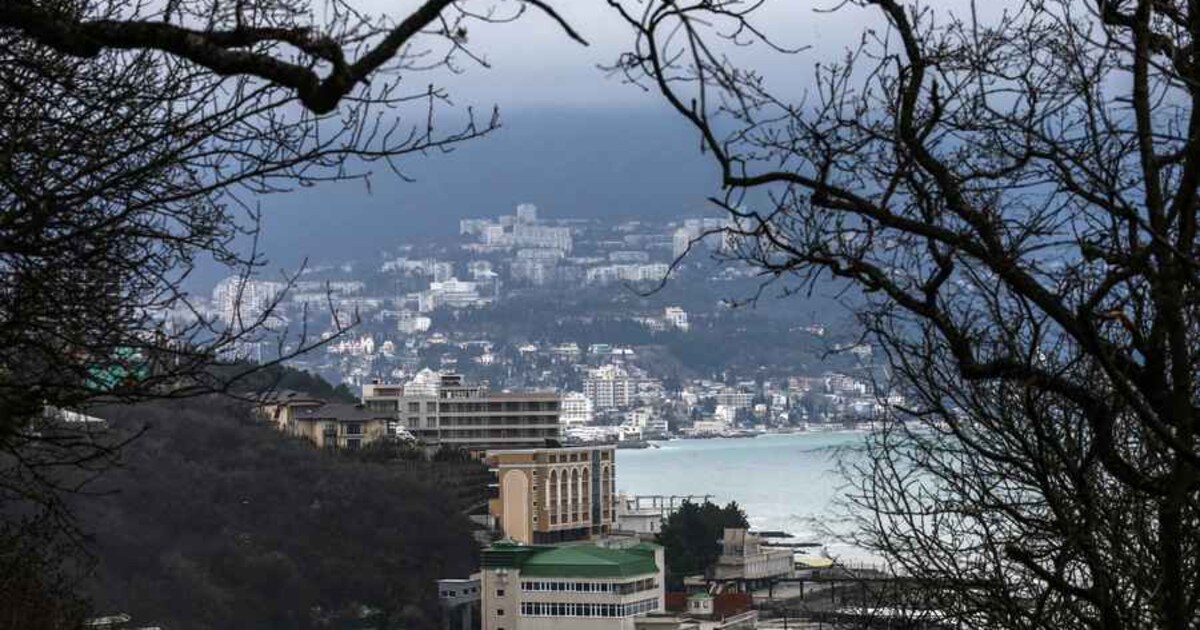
(575, 142)
(534, 63)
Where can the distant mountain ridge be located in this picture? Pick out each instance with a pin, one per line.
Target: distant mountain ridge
(572, 163)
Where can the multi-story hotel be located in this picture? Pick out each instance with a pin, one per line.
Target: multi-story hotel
(549, 495)
(606, 585)
(440, 409)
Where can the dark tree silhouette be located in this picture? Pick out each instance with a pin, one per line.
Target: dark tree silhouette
(691, 537)
(1015, 192)
(134, 140)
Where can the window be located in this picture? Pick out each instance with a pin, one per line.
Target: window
(414, 407)
(353, 428)
(353, 443)
(499, 612)
(499, 592)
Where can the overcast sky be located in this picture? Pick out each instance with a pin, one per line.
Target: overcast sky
(535, 64)
(575, 142)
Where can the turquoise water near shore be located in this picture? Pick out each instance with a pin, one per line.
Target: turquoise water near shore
(784, 482)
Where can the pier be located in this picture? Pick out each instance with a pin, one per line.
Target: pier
(666, 504)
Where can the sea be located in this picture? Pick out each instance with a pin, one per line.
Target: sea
(784, 482)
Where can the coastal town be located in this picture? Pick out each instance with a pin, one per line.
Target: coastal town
(621, 315)
(562, 376)
(576, 307)
(560, 547)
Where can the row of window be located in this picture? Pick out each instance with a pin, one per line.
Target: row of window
(500, 433)
(577, 457)
(352, 428)
(474, 407)
(500, 421)
(622, 588)
(572, 609)
(454, 592)
(528, 405)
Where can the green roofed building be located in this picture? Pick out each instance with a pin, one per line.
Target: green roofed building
(601, 585)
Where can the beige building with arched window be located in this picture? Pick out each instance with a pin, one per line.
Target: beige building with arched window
(548, 495)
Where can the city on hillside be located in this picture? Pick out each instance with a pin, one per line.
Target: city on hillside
(639, 341)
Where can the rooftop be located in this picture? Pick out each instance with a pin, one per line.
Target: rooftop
(587, 560)
(288, 396)
(552, 449)
(342, 412)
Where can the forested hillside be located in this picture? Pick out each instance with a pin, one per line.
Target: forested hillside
(217, 522)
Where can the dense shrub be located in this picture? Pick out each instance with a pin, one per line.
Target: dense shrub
(218, 522)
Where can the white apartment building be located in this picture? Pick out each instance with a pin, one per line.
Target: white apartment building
(734, 398)
(609, 386)
(697, 231)
(541, 236)
(845, 385)
(493, 234)
(241, 301)
(527, 213)
(577, 410)
(647, 422)
(410, 323)
(676, 317)
(450, 293)
(607, 274)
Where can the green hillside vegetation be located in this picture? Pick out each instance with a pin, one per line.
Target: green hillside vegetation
(215, 521)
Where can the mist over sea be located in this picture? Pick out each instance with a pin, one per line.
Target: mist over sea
(783, 482)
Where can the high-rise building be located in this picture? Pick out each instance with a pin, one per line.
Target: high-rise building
(242, 301)
(604, 585)
(609, 386)
(441, 409)
(548, 495)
